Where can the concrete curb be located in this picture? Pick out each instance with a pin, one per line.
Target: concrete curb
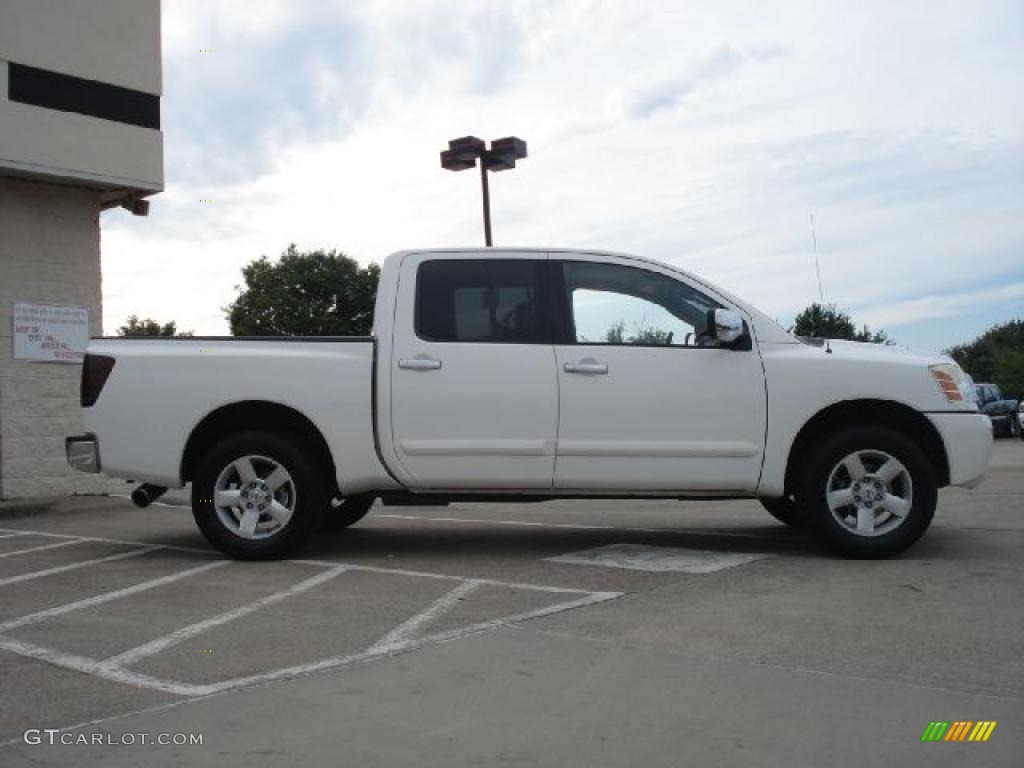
(19, 508)
(11, 510)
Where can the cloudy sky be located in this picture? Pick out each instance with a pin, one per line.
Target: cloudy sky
(702, 134)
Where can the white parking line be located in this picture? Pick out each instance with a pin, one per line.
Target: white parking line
(536, 524)
(530, 523)
(99, 669)
(407, 630)
(101, 540)
(159, 644)
(119, 674)
(302, 670)
(41, 547)
(74, 566)
(445, 576)
(106, 597)
(321, 563)
(400, 639)
(574, 526)
(592, 598)
(637, 557)
(9, 535)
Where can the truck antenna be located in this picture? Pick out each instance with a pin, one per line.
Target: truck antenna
(817, 269)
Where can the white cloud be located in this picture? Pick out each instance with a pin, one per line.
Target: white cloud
(700, 134)
(935, 307)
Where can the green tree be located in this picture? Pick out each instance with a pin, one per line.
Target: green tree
(616, 334)
(315, 293)
(998, 356)
(825, 321)
(1008, 372)
(148, 327)
(643, 333)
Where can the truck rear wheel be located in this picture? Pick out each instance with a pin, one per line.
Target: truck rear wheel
(256, 495)
(869, 492)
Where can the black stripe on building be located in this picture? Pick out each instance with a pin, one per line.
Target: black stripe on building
(52, 90)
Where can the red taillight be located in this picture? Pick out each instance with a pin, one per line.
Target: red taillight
(95, 370)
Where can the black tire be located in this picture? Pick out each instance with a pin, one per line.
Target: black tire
(306, 481)
(785, 510)
(894, 533)
(1013, 426)
(348, 513)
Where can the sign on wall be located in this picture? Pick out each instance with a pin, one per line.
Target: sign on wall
(50, 334)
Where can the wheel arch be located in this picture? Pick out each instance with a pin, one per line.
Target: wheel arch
(256, 414)
(866, 412)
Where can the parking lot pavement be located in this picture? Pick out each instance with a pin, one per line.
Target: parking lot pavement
(566, 633)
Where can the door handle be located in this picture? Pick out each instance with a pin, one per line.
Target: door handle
(587, 365)
(421, 363)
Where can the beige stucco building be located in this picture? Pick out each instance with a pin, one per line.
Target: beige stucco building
(80, 85)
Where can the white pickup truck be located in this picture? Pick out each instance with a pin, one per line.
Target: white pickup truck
(534, 374)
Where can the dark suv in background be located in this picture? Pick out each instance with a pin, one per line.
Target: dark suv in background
(1003, 413)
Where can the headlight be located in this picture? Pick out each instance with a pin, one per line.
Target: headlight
(955, 385)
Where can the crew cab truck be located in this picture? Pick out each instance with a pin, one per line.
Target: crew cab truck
(534, 374)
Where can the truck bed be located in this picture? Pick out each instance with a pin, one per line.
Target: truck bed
(329, 380)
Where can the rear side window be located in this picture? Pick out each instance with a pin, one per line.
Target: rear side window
(481, 300)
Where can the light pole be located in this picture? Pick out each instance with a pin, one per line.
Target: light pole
(463, 153)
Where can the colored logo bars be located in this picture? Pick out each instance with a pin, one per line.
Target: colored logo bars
(958, 730)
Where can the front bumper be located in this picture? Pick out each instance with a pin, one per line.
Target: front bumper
(83, 453)
(968, 441)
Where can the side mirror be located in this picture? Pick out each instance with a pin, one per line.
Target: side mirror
(727, 327)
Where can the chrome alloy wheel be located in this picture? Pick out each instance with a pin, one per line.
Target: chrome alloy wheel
(870, 493)
(254, 497)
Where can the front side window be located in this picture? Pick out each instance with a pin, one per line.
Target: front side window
(480, 300)
(613, 304)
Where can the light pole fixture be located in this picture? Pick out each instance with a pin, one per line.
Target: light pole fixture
(462, 154)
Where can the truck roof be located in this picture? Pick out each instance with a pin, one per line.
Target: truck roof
(497, 250)
(518, 249)
(771, 330)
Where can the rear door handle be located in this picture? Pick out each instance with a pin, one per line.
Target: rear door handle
(421, 363)
(587, 365)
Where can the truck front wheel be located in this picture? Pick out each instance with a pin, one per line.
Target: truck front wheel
(257, 496)
(869, 492)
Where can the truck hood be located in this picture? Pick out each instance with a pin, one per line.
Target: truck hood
(863, 350)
